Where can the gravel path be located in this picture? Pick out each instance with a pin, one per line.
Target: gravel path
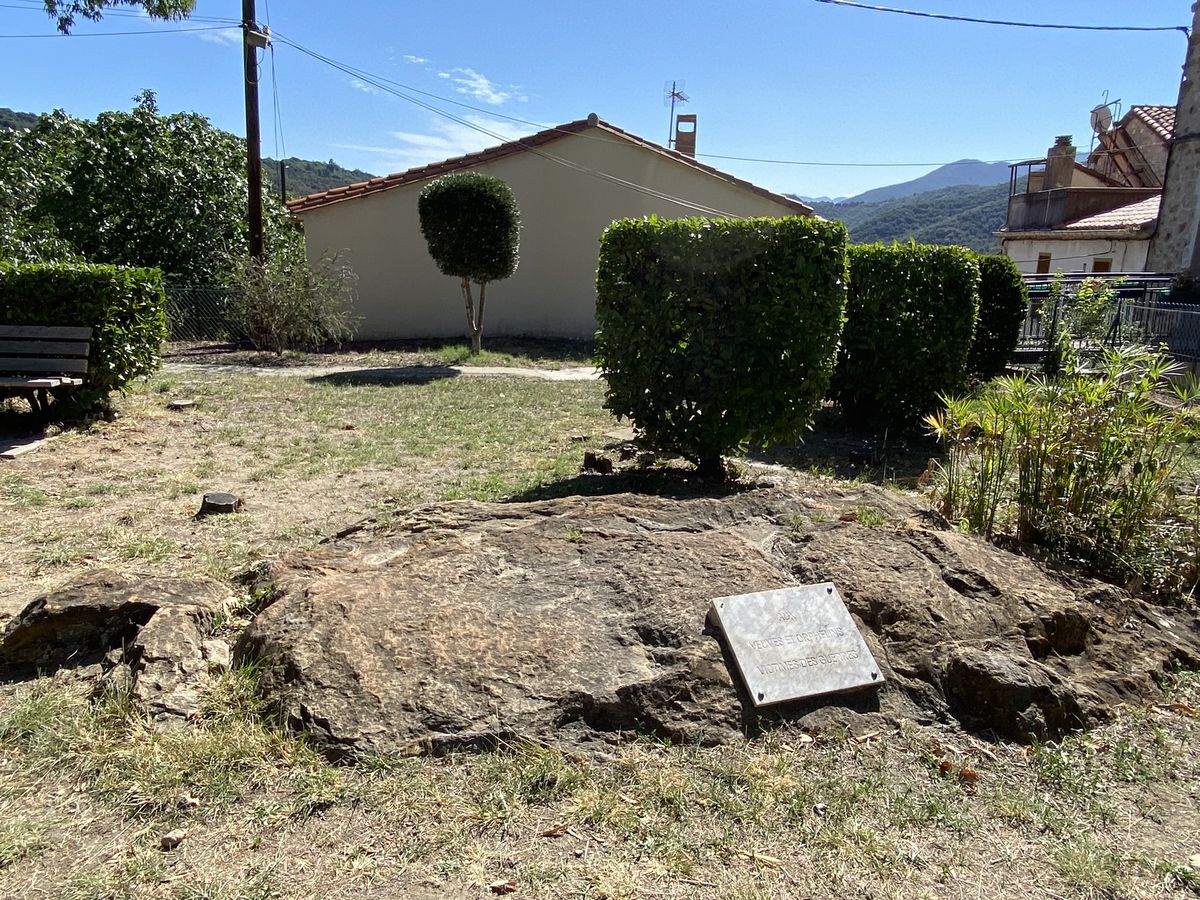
(397, 373)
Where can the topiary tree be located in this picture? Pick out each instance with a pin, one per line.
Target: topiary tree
(717, 335)
(1003, 303)
(472, 226)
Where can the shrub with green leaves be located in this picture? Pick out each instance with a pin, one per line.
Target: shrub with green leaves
(124, 307)
(1098, 464)
(473, 228)
(1003, 304)
(909, 324)
(283, 303)
(715, 334)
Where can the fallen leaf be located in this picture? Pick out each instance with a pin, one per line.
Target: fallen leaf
(968, 776)
(760, 857)
(863, 738)
(805, 739)
(1183, 709)
(848, 517)
(945, 767)
(502, 887)
(556, 830)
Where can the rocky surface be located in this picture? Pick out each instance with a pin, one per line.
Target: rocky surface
(580, 619)
(151, 636)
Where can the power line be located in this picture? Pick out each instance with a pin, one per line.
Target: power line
(1011, 24)
(566, 163)
(87, 34)
(39, 7)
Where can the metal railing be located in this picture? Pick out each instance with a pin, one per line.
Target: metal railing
(198, 312)
(1143, 312)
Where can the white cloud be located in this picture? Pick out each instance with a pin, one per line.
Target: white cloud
(415, 60)
(444, 140)
(360, 85)
(479, 87)
(224, 36)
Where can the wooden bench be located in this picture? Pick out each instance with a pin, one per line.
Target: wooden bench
(35, 359)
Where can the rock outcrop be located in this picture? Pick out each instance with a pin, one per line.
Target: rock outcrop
(151, 636)
(580, 619)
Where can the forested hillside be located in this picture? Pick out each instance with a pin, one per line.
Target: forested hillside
(306, 176)
(10, 118)
(965, 215)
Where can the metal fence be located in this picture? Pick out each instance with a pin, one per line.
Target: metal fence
(200, 312)
(1142, 312)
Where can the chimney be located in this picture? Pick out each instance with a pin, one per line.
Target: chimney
(1060, 164)
(685, 133)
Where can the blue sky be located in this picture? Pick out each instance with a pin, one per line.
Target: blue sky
(779, 79)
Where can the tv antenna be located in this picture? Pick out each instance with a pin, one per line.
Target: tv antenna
(1102, 117)
(672, 94)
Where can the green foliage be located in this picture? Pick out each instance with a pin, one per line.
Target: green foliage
(718, 333)
(909, 324)
(473, 228)
(10, 118)
(125, 308)
(66, 11)
(135, 188)
(1003, 303)
(1093, 464)
(285, 304)
(964, 216)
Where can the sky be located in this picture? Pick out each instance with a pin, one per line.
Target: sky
(874, 97)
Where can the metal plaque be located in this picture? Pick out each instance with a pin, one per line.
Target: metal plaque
(795, 642)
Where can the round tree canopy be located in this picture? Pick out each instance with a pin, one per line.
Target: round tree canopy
(472, 226)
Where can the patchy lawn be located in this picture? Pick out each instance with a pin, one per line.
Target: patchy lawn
(86, 795)
(309, 456)
(525, 352)
(87, 791)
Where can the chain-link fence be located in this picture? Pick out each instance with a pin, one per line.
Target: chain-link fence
(201, 312)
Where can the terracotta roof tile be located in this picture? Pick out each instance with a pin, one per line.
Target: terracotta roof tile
(1160, 118)
(1131, 217)
(470, 160)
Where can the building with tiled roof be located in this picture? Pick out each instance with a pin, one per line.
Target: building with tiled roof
(1134, 150)
(570, 183)
(1099, 217)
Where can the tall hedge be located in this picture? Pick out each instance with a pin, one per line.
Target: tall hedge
(909, 325)
(124, 307)
(715, 334)
(1003, 304)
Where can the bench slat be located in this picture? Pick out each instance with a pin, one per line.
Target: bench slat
(46, 332)
(45, 348)
(30, 364)
(35, 382)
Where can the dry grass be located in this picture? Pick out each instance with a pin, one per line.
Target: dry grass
(308, 456)
(87, 790)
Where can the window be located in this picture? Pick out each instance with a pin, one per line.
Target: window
(1043, 265)
(1102, 265)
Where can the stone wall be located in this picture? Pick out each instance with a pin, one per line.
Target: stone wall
(1173, 247)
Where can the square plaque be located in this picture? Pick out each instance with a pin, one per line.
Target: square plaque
(795, 642)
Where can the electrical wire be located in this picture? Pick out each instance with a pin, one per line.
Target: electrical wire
(566, 163)
(40, 7)
(1012, 24)
(87, 34)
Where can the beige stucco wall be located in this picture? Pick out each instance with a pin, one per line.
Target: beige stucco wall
(1076, 255)
(401, 293)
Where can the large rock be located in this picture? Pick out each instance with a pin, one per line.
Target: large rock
(577, 619)
(150, 635)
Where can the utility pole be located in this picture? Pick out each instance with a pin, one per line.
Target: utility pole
(252, 40)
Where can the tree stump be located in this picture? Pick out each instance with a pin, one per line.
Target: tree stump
(220, 504)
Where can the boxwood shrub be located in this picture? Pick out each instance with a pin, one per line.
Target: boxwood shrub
(1003, 303)
(124, 307)
(909, 324)
(715, 334)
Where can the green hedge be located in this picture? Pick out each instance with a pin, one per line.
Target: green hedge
(1003, 303)
(715, 334)
(124, 307)
(909, 324)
